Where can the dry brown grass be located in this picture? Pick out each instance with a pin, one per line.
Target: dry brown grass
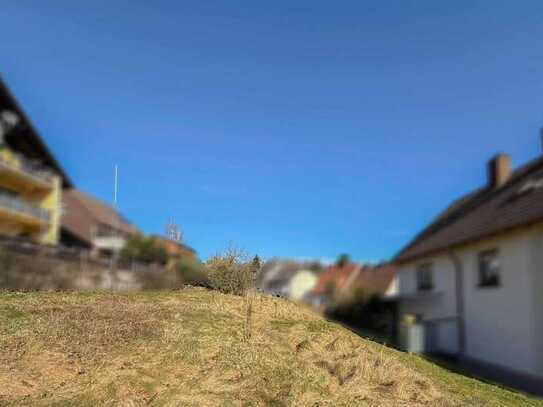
(195, 348)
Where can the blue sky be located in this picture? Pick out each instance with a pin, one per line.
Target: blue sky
(303, 129)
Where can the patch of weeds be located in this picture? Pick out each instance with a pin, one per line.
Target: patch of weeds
(93, 331)
(277, 388)
(188, 351)
(16, 295)
(320, 326)
(205, 322)
(150, 386)
(82, 400)
(12, 319)
(111, 391)
(283, 323)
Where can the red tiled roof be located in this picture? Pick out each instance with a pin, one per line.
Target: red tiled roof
(175, 248)
(335, 275)
(372, 278)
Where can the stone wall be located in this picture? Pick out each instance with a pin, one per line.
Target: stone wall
(42, 271)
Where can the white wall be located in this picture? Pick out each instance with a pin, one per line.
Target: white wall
(438, 305)
(537, 265)
(114, 243)
(499, 320)
(393, 288)
(503, 325)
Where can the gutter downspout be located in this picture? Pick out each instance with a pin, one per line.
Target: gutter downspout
(459, 284)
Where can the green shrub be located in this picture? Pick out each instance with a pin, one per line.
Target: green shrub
(142, 249)
(192, 271)
(7, 260)
(343, 260)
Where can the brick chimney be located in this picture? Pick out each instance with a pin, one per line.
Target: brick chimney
(499, 170)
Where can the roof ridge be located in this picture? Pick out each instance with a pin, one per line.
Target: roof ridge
(73, 193)
(440, 219)
(89, 197)
(84, 198)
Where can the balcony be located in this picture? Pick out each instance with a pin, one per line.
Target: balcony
(21, 210)
(23, 171)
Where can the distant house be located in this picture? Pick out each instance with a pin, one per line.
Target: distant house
(473, 278)
(31, 180)
(175, 249)
(88, 223)
(340, 283)
(301, 284)
(287, 278)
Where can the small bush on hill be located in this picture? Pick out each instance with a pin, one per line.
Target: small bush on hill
(230, 272)
(192, 271)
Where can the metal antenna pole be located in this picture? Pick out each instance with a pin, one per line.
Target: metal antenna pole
(116, 185)
(115, 220)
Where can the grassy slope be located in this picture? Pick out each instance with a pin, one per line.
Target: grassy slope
(191, 348)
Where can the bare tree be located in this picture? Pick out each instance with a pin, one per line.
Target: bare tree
(173, 231)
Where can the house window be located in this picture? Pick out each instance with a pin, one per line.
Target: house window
(489, 269)
(425, 277)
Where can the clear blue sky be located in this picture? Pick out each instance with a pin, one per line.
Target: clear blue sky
(292, 128)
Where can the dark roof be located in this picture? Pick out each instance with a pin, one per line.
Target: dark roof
(483, 213)
(26, 139)
(82, 212)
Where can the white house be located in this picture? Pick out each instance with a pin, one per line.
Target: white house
(474, 277)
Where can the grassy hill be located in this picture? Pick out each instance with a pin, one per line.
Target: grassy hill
(196, 348)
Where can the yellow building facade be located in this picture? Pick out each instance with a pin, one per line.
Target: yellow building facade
(30, 199)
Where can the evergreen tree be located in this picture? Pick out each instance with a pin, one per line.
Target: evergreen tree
(256, 264)
(343, 260)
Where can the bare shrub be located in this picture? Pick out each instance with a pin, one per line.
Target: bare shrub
(192, 271)
(230, 272)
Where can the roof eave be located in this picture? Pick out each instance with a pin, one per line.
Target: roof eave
(398, 260)
(66, 181)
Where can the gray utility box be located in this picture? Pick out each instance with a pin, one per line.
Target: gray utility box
(412, 335)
